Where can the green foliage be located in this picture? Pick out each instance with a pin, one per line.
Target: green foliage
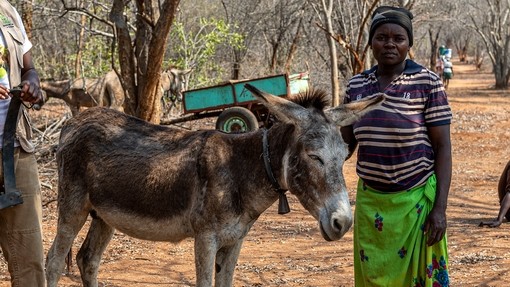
(96, 61)
(198, 47)
(96, 57)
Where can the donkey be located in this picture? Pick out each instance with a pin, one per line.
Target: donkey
(86, 92)
(173, 82)
(162, 183)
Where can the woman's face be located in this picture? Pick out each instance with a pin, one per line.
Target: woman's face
(390, 44)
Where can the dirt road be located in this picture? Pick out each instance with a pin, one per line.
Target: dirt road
(289, 251)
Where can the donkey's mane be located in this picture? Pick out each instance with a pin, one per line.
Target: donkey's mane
(315, 98)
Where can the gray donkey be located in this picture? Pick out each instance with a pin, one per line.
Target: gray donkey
(166, 184)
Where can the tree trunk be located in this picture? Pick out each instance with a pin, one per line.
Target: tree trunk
(125, 56)
(293, 47)
(236, 67)
(501, 73)
(434, 38)
(26, 16)
(274, 56)
(495, 34)
(77, 63)
(141, 72)
(335, 85)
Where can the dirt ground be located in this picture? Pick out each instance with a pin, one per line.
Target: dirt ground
(288, 250)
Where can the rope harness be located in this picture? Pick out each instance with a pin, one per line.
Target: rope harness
(283, 204)
(9, 194)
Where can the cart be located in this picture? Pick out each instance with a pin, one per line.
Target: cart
(236, 109)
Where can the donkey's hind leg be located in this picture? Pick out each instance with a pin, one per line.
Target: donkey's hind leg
(69, 224)
(89, 256)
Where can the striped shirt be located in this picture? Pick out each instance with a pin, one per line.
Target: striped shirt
(394, 150)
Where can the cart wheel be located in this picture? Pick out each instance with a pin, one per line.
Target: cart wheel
(237, 120)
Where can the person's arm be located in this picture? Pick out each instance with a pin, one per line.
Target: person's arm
(435, 225)
(30, 81)
(349, 138)
(503, 188)
(505, 205)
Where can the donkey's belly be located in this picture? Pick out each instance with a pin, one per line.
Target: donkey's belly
(172, 229)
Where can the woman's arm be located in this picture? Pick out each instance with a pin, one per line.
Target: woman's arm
(435, 226)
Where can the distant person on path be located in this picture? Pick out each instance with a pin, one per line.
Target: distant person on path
(504, 199)
(439, 66)
(447, 72)
(404, 163)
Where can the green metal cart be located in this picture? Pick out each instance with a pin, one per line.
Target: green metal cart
(236, 109)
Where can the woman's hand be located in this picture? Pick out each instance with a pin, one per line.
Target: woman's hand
(435, 226)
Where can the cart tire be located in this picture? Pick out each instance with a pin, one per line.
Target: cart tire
(237, 120)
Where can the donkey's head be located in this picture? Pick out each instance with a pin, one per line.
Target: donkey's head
(315, 155)
(53, 89)
(174, 81)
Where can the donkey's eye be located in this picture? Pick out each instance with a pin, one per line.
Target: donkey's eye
(316, 158)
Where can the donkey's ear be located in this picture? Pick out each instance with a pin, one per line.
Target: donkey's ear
(283, 109)
(347, 114)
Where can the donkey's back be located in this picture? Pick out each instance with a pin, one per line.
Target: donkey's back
(132, 174)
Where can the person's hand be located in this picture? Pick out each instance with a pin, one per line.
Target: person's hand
(495, 223)
(435, 226)
(4, 93)
(30, 92)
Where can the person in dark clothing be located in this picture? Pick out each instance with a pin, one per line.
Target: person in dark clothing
(504, 199)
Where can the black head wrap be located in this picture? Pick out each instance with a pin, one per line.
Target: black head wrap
(395, 15)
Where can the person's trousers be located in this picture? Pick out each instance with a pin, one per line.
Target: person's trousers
(21, 226)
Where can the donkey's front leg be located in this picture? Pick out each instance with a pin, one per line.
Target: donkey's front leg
(226, 260)
(205, 253)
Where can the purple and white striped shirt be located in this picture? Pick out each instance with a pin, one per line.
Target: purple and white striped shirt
(394, 150)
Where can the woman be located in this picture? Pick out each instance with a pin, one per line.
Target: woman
(404, 163)
(20, 225)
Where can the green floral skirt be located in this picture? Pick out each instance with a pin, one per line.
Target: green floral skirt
(390, 247)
